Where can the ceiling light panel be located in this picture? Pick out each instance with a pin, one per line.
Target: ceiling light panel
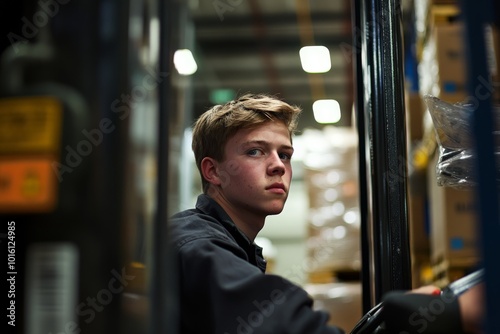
(315, 59)
(326, 111)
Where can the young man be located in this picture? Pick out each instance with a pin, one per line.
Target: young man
(243, 150)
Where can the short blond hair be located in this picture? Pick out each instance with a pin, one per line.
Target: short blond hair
(217, 125)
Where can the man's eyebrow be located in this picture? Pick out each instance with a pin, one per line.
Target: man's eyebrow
(265, 143)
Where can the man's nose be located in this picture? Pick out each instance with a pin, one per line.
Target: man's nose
(276, 165)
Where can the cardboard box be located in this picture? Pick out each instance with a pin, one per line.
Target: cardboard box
(493, 54)
(421, 271)
(449, 39)
(334, 247)
(453, 224)
(451, 61)
(443, 12)
(444, 2)
(443, 273)
(418, 223)
(414, 116)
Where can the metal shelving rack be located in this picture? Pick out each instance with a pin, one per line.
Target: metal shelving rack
(477, 14)
(380, 121)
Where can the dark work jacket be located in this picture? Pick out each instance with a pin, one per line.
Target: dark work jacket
(223, 287)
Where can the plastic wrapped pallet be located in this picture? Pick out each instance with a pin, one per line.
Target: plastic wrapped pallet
(454, 130)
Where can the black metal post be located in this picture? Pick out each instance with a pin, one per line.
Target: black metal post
(163, 294)
(381, 100)
(362, 145)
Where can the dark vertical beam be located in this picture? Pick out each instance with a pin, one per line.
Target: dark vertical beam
(390, 222)
(362, 146)
(109, 65)
(164, 300)
(476, 15)
(385, 134)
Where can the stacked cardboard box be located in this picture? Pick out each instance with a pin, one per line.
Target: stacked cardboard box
(333, 245)
(442, 55)
(453, 230)
(442, 69)
(451, 223)
(493, 43)
(331, 177)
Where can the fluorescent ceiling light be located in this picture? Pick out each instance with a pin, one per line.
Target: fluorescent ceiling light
(184, 62)
(326, 111)
(315, 59)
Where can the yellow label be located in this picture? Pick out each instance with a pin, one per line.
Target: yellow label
(27, 184)
(30, 124)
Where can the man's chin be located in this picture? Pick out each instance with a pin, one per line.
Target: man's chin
(275, 211)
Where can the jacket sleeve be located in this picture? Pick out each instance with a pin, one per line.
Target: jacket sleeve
(223, 293)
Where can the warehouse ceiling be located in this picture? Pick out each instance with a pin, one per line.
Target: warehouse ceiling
(253, 46)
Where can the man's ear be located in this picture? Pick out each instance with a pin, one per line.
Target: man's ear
(209, 169)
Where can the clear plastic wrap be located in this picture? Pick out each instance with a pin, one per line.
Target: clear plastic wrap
(452, 122)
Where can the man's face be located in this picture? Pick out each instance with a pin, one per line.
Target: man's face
(257, 169)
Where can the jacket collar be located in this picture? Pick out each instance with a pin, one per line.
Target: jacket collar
(210, 207)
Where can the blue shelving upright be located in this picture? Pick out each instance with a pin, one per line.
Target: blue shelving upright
(477, 15)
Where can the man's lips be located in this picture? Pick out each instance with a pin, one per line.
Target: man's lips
(278, 188)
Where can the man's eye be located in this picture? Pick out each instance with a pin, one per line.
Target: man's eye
(254, 152)
(285, 156)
